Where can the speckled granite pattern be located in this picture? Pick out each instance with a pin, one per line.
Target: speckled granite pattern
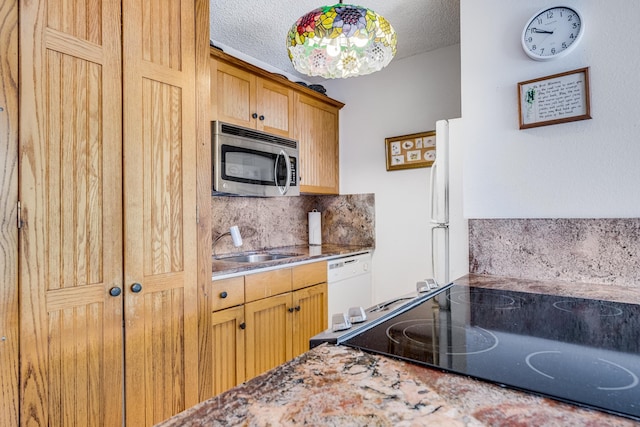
(600, 251)
(223, 268)
(274, 222)
(341, 386)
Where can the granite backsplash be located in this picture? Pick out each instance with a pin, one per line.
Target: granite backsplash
(596, 251)
(275, 222)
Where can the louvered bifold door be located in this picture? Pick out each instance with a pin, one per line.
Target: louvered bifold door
(71, 196)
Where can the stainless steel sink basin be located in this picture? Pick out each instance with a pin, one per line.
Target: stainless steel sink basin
(252, 258)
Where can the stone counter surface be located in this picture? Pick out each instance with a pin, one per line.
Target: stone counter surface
(340, 386)
(301, 254)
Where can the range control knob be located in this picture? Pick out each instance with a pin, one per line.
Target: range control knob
(340, 322)
(357, 315)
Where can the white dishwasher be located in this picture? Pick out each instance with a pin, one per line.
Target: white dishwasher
(349, 283)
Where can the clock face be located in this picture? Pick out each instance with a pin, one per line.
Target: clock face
(552, 33)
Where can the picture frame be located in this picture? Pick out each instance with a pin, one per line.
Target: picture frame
(416, 150)
(554, 99)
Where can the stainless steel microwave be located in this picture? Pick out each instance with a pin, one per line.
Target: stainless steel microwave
(248, 162)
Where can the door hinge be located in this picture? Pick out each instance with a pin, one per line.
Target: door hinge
(19, 215)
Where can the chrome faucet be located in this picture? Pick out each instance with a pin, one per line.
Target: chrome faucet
(234, 232)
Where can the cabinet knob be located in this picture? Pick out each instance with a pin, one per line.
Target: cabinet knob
(254, 115)
(223, 294)
(297, 308)
(291, 309)
(136, 287)
(115, 291)
(261, 118)
(243, 325)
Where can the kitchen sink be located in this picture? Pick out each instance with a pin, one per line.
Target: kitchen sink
(253, 258)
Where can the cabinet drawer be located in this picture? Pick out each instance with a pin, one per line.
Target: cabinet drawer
(263, 285)
(309, 274)
(227, 293)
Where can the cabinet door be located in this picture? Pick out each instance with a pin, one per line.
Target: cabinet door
(310, 315)
(233, 94)
(274, 108)
(161, 341)
(317, 131)
(268, 333)
(228, 348)
(71, 192)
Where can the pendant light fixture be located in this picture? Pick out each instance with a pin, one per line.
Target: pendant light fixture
(341, 41)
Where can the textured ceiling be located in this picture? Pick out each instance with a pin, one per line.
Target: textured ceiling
(258, 28)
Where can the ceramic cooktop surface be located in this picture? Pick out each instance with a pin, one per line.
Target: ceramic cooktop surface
(582, 351)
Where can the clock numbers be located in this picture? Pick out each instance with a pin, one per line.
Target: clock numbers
(551, 33)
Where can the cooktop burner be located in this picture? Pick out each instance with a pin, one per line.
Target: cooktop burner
(575, 350)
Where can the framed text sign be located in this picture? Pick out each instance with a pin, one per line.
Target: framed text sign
(554, 99)
(417, 150)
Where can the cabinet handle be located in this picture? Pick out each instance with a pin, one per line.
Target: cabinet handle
(243, 325)
(115, 291)
(223, 294)
(254, 115)
(291, 309)
(261, 118)
(136, 287)
(297, 308)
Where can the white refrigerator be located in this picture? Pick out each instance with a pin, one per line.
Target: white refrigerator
(449, 228)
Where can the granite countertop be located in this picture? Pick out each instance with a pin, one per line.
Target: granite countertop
(336, 386)
(302, 254)
(341, 386)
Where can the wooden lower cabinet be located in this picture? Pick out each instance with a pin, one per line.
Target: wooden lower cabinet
(310, 316)
(268, 334)
(228, 347)
(251, 338)
(278, 328)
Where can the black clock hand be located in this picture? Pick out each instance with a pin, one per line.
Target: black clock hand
(535, 30)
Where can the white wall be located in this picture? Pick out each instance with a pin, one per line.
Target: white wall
(583, 169)
(408, 96)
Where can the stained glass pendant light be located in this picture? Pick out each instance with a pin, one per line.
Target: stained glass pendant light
(341, 41)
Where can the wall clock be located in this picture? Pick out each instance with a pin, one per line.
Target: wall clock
(552, 33)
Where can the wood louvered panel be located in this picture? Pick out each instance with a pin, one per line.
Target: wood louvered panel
(228, 348)
(275, 105)
(160, 209)
(268, 333)
(311, 318)
(70, 187)
(317, 131)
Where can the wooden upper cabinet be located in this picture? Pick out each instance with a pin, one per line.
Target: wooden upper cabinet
(248, 96)
(240, 97)
(317, 128)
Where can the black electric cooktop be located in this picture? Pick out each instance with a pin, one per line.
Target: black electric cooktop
(581, 351)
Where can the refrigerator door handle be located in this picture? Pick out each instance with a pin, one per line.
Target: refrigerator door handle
(432, 191)
(436, 225)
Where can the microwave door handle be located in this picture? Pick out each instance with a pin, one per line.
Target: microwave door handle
(282, 190)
